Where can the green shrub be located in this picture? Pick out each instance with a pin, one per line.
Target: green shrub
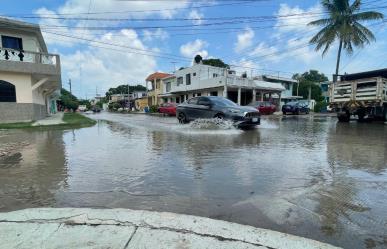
(153, 108)
(320, 106)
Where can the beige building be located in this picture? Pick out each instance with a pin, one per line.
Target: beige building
(156, 87)
(30, 77)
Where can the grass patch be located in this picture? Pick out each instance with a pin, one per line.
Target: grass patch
(72, 120)
(77, 120)
(16, 125)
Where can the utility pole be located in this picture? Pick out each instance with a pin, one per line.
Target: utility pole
(70, 85)
(174, 66)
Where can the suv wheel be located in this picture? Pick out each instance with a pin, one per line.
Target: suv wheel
(182, 118)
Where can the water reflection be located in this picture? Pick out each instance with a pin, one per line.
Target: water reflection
(301, 175)
(32, 172)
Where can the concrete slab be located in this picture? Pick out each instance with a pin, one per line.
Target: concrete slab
(164, 239)
(54, 119)
(60, 235)
(178, 224)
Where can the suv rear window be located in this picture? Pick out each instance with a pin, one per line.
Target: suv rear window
(193, 101)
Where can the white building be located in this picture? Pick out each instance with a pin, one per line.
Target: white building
(204, 80)
(30, 77)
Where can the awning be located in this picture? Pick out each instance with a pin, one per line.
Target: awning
(264, 85)
(165, 95)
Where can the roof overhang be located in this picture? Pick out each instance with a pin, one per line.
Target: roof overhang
(264, 85)
(10, 24)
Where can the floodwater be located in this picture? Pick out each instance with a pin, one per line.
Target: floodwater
(307, 176)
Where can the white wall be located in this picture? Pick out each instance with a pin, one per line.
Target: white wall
(22, 83)
(30, 41)
(23, 87)
(204, 78)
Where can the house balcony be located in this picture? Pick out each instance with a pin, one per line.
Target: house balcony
(39, 65)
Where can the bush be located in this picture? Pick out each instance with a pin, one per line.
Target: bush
(320, 106)
(116, 106)
(153, 108)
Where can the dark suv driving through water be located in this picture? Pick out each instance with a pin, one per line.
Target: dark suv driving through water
(217, 107)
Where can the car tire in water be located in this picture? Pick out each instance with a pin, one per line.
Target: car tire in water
(385, 113)
(182, 118)
(297, 112)
(219, 116)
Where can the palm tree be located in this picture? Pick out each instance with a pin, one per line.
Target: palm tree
(343, 24)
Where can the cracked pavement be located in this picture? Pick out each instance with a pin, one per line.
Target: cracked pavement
(124, 228)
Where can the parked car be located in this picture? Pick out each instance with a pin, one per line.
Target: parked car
(264, 107)
(167, 108)
(218, 107)
(295, 107)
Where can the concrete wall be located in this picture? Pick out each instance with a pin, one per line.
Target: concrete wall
(29, 40)
(23, 85)
(21, 112)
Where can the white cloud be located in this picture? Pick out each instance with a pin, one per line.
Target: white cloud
(104, 68)
(86, 62)
(266, 51)
(158, 34)
(193, 48)
(244, 40)
(297, 19)
(117, 9)
(194, 14)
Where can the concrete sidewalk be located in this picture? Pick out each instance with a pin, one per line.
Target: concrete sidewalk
(54, 119)
(123, 228)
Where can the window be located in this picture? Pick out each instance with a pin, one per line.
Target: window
(179, 80)
(286, 85)
(157, 85)
(168, 87)
(198, 94)
(193, 101)
(214, 93)
(11, 42)
(188, 79)
(214, 75)
(194, 74)
(204, 101)
(7, 92)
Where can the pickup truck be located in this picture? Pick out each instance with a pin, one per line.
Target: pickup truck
(363, 95)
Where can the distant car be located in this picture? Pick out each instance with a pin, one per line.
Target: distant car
(95, 109)
(218, 107)
(264, 107)
(167, 108)
(295, 107)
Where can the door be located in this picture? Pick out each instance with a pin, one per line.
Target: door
(192, 109)
(204, 109)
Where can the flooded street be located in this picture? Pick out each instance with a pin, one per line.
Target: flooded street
(307, 176)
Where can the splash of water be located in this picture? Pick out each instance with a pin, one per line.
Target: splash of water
(212, 124)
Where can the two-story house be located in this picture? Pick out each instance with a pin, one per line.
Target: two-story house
(205, 80)
(287, 83)
(30, 77)
(155, 86)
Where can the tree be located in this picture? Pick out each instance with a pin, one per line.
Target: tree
(68, 100)
(343, 24)
(86, 103)
(307, 82)
(216, 63)
(124, 89)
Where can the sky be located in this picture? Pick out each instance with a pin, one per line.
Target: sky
(105, 43)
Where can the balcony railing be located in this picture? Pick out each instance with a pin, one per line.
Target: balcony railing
(238, 81)
(7, 54)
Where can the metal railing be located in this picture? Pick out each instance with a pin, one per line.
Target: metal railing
(7, 54)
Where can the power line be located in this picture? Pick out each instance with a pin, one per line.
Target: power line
(157, 10)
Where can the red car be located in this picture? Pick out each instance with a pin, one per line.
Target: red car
(264, 107)
(167, 108)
